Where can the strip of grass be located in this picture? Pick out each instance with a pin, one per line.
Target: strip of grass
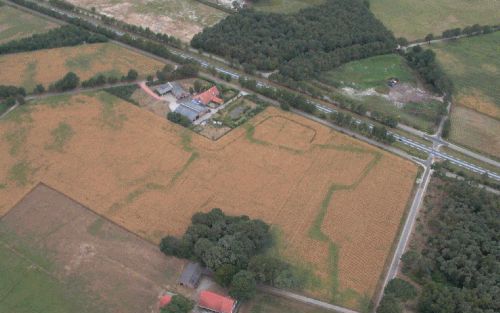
(284, 6)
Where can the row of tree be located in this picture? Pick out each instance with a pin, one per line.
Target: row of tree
(459, 265)
(378, 133)
(68, 35)
(232, 246)
(9, 95)
(300, 45)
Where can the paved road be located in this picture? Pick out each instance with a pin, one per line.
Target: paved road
(300, 298)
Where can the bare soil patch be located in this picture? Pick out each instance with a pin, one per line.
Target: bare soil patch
(179, 18)
(150, 176)
(89, 254)
(46, 66)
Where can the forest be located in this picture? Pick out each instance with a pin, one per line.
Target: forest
(459, 265)
(300, 45)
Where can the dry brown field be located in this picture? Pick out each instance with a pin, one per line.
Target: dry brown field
(47, 66)
(475, 130)
(179, 18)
(92, 258)
(320, 189)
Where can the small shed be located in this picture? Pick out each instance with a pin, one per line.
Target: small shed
(165, 300)
(163, 89)
(191, 275)
(178, 91)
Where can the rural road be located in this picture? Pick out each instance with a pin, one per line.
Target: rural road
(303, 299)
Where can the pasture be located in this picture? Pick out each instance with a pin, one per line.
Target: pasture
(320, 190)
(28, 69)
(474, 67)
(415, 19)
(15, 24)
(57, 256)
(179, 18)
(284, 6)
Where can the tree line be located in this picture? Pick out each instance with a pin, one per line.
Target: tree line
(68, 35)
(300, 45)
(458, 267)
(9, 95)
(232, 247)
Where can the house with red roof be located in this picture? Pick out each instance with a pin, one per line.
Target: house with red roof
(216, 303)
(208, 96)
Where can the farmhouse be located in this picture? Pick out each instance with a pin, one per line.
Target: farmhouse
(191, 109)
(191, 275)
(208, 96)
(177, 91)
(216, 303)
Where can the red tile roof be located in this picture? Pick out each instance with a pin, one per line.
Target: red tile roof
(216, 302)
(210, 95)
(165, 300)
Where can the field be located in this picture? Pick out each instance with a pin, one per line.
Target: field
(28, 69)
(150, 176)
(284, 6)
(57, 256)
(475, 130)
(179, 18)
(415, 19)
(366, 80)
(474, 67)
(15, 24)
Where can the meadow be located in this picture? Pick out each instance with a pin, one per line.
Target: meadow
(28, 69)
(15, 24)
(366, 81)
(474, 67)
(284, 6)
(318, 188)
(415, 19)
(179, 18)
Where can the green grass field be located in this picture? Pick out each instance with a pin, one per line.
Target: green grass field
(16, 24)
(415, 19)
(474, 66)
(370, 73)
(373, 73)
(27, 285)
(284, 6)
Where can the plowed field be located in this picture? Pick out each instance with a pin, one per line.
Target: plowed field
(28, 69)
(336, 201)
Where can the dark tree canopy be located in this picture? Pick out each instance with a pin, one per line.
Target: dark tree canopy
(218, 240)
(68, 35)
(300, 45)
(401, 289)
(243, 286)
(460, 264)
(178, 304)
(68, 82)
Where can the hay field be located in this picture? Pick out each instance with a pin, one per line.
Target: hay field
(150, 176)
(15, 24)
(476, 131)
(28, 69)
(474, 67)
(179, 18)
(415, 19)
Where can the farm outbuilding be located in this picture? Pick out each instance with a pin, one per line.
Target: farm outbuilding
(191, 109)
(191, 275)
(216, 303)
(177, 91)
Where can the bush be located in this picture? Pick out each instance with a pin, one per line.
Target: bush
(284, 106)
(178, 119)
(178, 304)
(389, 304)
(69, 82)
(243, 286)
(401, 289)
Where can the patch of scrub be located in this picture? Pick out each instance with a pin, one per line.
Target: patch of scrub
(21, 172)
(16, 139)
(60, 136)
(109, 115)
(29, 81)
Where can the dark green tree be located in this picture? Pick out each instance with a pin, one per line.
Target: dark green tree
(178, 304)
(401, 289)
(224, 274)
(243, 286)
